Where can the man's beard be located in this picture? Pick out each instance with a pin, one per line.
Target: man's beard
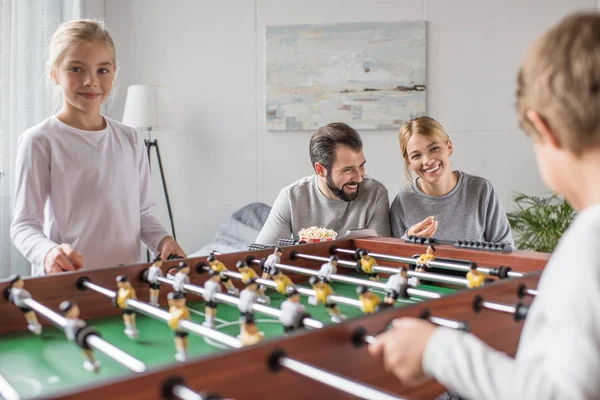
(339, 192)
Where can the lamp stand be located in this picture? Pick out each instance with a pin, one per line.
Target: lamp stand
(154, 144)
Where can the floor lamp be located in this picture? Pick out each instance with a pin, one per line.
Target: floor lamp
(147, 108)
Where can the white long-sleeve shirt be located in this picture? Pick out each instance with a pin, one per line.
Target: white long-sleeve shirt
(90, 189)
(559, 351)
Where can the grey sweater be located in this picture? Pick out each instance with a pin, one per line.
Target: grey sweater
(302, 205)
(471, 211)
(559, 351)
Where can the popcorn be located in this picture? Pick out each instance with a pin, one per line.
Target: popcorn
(314, 234)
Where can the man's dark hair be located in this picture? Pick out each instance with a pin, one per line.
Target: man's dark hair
(324, 141)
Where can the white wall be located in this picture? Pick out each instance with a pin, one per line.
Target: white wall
(211, 56)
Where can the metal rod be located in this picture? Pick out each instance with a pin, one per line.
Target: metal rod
(349, 279)
(157, 313)
(336, 381)
(93, 341)
(439, 264)
(369, 339)
(448, 323)
(7, 392)
(532, 292)
(499, 307)
(185, 393)
(96, 342)
(392, 270)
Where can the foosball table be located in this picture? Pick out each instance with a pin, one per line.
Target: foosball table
(322, 359)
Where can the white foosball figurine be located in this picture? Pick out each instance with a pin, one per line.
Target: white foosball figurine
(17, 295)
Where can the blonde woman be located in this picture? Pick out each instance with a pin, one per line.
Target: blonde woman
(440, 202)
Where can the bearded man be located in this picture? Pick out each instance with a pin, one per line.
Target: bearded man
(338, 196)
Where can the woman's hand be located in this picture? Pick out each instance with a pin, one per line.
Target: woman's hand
(168, 247)
(425, 228)
(62, 258)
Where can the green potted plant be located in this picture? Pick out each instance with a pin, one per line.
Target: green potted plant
(539, 222)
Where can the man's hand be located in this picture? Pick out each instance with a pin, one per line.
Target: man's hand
(62, 258)
(403, 347)
(425, 228)
(168, 246)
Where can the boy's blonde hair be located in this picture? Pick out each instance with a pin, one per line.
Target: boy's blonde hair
(424, 126)
(72, 33)
(560, 79)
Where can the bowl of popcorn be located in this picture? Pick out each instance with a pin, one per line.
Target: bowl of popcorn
(314, 234)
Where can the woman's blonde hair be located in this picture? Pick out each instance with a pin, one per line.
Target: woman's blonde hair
(72, 33)
(424, 126)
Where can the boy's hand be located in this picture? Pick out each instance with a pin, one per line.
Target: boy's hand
(62, 258)
(403, 347)
(168, 246)
(425, 228)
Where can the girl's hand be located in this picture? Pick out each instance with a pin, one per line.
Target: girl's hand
(168, 247)
(403, 347)
(425, 228)
(62, 258)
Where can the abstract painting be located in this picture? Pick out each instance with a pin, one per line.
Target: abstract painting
(368, 75)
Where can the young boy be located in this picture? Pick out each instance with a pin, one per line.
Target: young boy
(558, 99)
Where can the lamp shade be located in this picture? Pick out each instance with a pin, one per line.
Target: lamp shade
(147, 106)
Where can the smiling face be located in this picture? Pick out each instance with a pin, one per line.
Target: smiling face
(85, 75)
(345, 175)
(429, 159)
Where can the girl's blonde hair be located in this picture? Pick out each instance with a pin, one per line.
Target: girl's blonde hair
(424, 126)
(69, 34)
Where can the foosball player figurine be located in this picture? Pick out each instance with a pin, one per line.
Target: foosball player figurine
(218, 266)
(366, 265)
(126, 292)
(249, 331)
(422, 261)
(369, 300)
(292, 311)
(179, 311)
(154, 272)
(323, 291)
(268, 266)
(211, 288)
(394, 284)
(282, 281)
(182, 277)
(475, 278)
(248, 274)
(328, 269)
(248, 297)
(73, 328)
(17, 295)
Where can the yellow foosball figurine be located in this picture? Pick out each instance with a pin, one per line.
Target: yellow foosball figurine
(323, 291)
(370, 301)
(126, 292)
(475, 278)
(366, 265)
(423, 260)
(250, 334)
(282, 281)
(73, 328)
(17, 295)
(179, 312)
(218, 266)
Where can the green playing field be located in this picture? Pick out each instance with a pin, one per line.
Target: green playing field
(42, 365)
